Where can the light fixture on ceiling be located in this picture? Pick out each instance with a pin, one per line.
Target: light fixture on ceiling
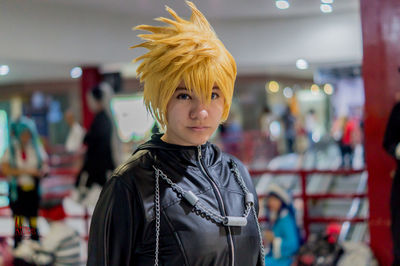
(76, 72)
(4, 70)
(272, 86)
(327, 1)
(328, 89)
(288, 92)
(314, 89)
(326, 8)
(282, 4)
(302, 64)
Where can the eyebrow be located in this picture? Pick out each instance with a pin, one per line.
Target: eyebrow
(185, 89)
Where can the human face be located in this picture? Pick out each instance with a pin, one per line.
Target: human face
(93, 104)
(25, 137)
(190, 121)
(274, 204)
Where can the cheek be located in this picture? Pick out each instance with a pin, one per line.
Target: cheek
(218, 111)
(175, 114)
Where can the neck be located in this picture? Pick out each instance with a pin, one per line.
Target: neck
(23, 146)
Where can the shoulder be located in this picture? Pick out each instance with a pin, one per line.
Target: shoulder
(140, 163)
(139, 159)
(232, 161)
(286, 217)
(396, 109)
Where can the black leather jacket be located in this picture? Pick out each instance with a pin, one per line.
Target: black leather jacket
(122, 230)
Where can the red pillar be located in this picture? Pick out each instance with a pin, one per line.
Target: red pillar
(90, 78)
(381, 44)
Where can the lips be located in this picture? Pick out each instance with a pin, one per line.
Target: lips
(198, 129)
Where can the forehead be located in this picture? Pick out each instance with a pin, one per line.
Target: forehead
(25, 130)
(182, 86)
(273, 198)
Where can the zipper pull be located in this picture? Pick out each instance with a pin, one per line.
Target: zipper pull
(199, 152)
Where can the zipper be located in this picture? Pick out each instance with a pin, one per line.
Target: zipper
(204, 171)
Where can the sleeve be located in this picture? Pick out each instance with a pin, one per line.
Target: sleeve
(43, 154)
(392, 133)
(115, 225)
(6, 156)
(75, 138)
(90, 135)
(100, 130)
(287, 244)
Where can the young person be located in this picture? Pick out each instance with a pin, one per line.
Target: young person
(24, 162)
(179, 200)
(283, 237)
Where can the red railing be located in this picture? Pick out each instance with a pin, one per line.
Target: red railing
(303, 174)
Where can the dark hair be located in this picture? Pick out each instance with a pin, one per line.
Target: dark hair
(266, 109)
(97, 93)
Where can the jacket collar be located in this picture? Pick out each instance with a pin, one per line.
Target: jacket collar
(210, 153)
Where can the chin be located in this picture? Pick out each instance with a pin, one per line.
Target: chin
(199, 140)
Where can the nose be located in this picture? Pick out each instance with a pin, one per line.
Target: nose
(199, 111)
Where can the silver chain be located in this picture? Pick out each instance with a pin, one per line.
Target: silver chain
(199, 208)
(158, 218)
(240, 181)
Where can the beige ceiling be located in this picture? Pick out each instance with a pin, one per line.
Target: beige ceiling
(43, 39)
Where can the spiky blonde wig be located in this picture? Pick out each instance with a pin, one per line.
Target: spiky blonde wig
(187, 50)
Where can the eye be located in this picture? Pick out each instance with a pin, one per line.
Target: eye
(214, 96)
(183, 96)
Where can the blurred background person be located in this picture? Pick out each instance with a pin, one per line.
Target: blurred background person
(310, 125)
(60, 246)
(267, 117)
(391, 144)
(283, 236)
(346, 142)
(289, 122)
(76, 133)
(301, 137)
(98, 161)
(24, 162)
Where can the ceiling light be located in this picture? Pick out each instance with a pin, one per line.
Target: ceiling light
(282, 4)
(326, 8)
(288, 92)
(273, 86)
(327, 1)
(328, 89)
(4, 70)
(314, 89)
(76, 72)
(301, 64)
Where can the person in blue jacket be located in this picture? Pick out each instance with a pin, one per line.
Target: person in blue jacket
(283, 235)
